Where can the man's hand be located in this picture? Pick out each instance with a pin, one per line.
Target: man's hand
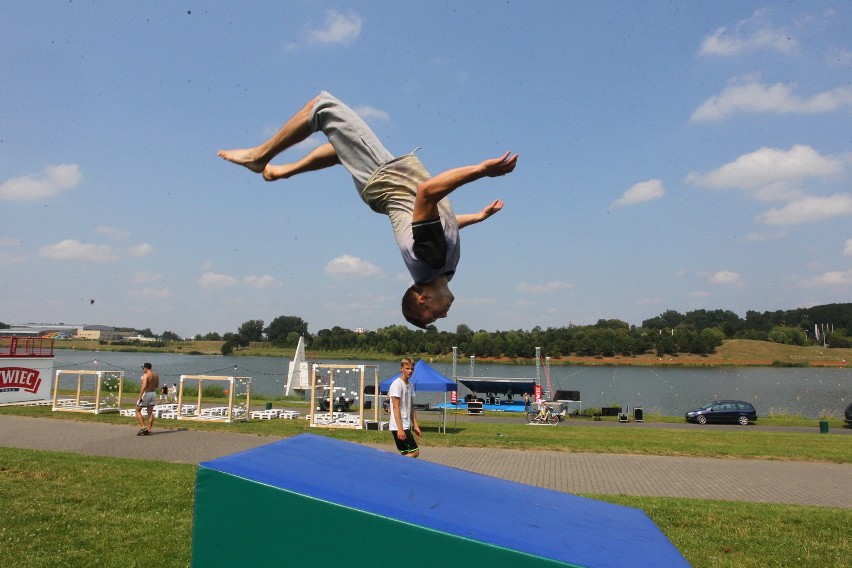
(417, 432)
(500, 166)
(491, 209)
(467, 219)
(400, 435)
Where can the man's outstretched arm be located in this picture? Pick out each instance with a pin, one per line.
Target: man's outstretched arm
(466, 219)
(433, 190)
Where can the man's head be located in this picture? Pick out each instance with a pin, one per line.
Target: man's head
(146, 366)
(406, 367)
(422, 304)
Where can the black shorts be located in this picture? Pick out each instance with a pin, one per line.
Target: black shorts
(407, 446)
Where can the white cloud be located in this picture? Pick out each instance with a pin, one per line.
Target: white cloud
(749, 35)
(699, 294)
(7, 258)
(213, 281)
(147, 277)
(112, 232)
(73, 250)
(142, 249)
(265, 281)
(54, 180)
(546, 288)
(337, 28)
(753, 97)
(847, 248)
(835, 278)
(642, 192)
(725, 277)
(809, 209)
(347, 266)
(368, 112)
(765, 237)
(771, 174)
(151, 293)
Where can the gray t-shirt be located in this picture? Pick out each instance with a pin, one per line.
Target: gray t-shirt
(391, 190)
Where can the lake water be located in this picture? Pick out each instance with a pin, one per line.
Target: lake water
(663, 390)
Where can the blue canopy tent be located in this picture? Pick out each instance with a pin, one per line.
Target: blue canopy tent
(424, 379)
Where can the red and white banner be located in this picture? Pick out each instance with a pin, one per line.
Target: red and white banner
(23, 379)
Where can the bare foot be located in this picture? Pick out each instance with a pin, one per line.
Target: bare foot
(246, 157)
(272, 173)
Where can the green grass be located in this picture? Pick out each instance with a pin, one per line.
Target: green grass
(575, 435)
(749, 535)
(72, 510)
(69, 510)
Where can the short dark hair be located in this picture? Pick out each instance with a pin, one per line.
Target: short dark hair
(146, 365)
(410, 306)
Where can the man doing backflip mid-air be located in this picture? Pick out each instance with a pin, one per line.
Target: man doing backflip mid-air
(425, 227)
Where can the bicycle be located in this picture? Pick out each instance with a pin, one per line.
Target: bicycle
(548, 418)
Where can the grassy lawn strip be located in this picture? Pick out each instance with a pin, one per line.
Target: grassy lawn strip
(72, 510)
(573, 435)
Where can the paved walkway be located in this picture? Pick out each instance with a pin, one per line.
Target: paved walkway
(763, 481)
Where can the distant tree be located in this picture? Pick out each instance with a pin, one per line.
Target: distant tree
(787, 335)
(665, 345)
(147, 333)
(170, 336)
(839, 339)
(252, 330)
(282, 326)
(292, 339)
(669, 319)
(612, 324)
(227, 347)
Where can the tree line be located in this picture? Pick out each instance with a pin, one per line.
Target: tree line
(697, 332)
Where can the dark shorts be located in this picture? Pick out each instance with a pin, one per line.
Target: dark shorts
(407, 446)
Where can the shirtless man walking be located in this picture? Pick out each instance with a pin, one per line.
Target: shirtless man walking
(147, 399)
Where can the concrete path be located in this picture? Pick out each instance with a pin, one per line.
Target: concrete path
(762, 481)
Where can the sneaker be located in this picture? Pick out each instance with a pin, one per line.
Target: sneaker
(143, 432)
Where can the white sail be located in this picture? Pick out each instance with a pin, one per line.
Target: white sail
(297, 375)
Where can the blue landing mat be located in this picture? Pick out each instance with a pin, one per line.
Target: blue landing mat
(540, 522)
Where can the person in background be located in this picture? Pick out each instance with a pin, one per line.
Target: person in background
(403, 419)
(147, 399)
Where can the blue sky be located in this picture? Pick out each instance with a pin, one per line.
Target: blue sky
(673, 155)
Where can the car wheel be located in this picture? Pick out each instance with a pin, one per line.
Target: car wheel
(701, 419)
(743, 420)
